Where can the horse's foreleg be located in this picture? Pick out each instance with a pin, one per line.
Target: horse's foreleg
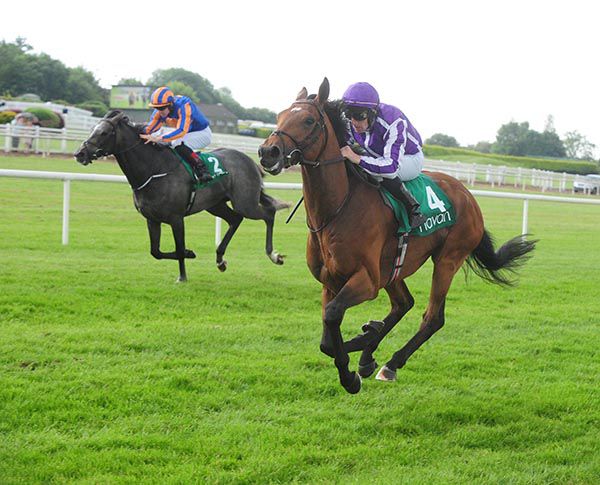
(433, 318)
(233, 219)
(178, 229)
(402, 301)
(154, 230)
(356, 290)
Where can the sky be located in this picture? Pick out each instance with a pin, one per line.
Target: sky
(462, 67)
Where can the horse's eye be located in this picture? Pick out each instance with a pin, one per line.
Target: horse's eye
(309, 121)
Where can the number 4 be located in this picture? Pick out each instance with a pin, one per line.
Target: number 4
(433, 201)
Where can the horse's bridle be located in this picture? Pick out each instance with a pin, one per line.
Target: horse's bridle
(317, 130)
(101, 152)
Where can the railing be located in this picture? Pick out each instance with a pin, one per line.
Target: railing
(48, 140)
(67, 177)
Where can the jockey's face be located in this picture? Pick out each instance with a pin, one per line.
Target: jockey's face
(360, 126)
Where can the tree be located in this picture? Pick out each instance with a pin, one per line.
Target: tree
(182, 89)
(24, 72)
(517, 139)
(129, 81)
(578, 146)
(483, 147)
(204, 90)
(442, 140)
(511, 139)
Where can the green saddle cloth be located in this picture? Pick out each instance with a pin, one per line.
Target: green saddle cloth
(213, 164)
(435, 206)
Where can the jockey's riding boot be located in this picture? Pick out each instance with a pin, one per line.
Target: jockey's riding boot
(195, 161)
(397, 188)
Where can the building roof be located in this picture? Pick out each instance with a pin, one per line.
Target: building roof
(217, 111)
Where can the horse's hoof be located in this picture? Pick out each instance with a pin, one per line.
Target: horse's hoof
(386, 374)
(189, 254)
(367, 370)
(355, 385)
(222, 266)
(276, 257)
(181, 279)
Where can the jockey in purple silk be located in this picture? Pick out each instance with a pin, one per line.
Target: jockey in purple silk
(393, 147)
(192, 129)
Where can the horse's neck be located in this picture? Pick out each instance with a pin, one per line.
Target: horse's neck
(138, 162)
(325, 189)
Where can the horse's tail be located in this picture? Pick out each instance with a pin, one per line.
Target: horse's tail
(492, 265)
(268, 201)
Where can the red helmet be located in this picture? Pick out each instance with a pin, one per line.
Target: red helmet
(161, 97)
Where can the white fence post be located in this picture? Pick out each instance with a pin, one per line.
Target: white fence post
(66, 209)
(8, 138)
(525, 216)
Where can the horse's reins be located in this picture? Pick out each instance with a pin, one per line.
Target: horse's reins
(100, 152)
(316, 132)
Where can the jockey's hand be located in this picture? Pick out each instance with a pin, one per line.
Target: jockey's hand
(151, 138)
(350, 155)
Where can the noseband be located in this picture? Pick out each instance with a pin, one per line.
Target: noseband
(318, 130)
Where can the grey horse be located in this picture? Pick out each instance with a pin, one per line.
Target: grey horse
(163, 189)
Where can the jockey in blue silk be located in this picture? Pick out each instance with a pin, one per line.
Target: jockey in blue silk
(393, 147)
(192, 129)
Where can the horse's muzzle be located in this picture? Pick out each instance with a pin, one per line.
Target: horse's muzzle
(271, 158)
(83, 156)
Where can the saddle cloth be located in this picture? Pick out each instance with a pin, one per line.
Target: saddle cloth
(211, 162)
(435, 206)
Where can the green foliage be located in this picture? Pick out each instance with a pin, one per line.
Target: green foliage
(129, 81)
(7, 117)
(202, 87)
(442, 140)
(470, 156)
(24, 72)
(518, 139)
(262, 132)
(111, 373)
(98, 108)
(182, 89)
(47, 117)
(578, 146)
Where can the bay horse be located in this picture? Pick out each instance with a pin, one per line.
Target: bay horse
(162, 188)
(352, 242)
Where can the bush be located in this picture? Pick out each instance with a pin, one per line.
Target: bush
(470, 156)
(263, 132)
(98, 108)
(47, 117)
(7, 117)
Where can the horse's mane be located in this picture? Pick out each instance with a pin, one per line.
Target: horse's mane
(138, 127)
(333, 109)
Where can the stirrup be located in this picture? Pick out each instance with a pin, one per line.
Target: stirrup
(416, 219)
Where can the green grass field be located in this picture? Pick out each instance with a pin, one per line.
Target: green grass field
(112, 373)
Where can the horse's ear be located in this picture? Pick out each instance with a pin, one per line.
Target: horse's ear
(323, 91)
(302, 94)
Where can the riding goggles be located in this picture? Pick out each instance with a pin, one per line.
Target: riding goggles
(358, 114)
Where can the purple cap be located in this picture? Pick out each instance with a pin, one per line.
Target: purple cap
(362, 95)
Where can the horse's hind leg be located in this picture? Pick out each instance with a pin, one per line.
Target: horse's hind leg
(402, 301)
(433, 318)
(234, 220)
(266, 213)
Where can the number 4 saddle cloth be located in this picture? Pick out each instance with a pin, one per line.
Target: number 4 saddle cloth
(435, 206)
